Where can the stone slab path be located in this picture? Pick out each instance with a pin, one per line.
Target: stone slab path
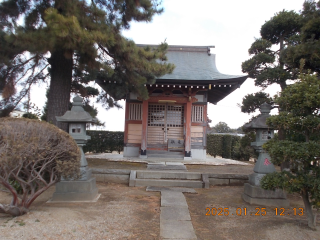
(175, 220)
(166, 166)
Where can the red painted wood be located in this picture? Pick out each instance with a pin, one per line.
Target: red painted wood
(205, 117)
(126, 123)
(188, 110)
(144, 125)
(156, 99)
(134, 121)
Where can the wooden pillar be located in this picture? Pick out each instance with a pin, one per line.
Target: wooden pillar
(144, 128)
(205, 119)
(126, 123)
(187, 143)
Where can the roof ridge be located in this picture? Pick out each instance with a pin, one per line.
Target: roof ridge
(182, 48)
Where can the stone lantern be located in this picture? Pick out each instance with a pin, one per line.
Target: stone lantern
(84, 188)
(253, 193)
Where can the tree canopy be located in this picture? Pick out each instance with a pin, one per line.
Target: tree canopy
(307, 46)
(285, 39)
(70, 44)
(301, 148)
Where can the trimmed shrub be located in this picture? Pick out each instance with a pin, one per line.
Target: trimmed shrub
(214, 145)
(104, 141)
(33, 157)
(230, 146)
(226, 146)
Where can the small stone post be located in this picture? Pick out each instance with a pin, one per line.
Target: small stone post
(84, 188)
(253, 193)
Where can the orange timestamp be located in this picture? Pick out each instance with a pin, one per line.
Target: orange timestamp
(257, 212)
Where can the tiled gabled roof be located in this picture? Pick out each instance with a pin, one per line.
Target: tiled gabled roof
(195, 65)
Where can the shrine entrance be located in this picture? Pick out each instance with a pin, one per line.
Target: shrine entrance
(165, 127)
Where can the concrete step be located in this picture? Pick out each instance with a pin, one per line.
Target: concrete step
(165, 154)
(168, 183)
(173, 152)
(168, 175)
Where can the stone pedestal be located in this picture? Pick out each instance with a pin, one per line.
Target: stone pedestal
(76, 191)
(254, 194)
(257, 195)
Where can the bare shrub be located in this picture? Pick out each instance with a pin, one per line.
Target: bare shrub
(33, 156)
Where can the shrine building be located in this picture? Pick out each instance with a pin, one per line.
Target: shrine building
(174, 118)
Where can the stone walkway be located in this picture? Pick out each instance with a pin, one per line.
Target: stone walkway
(175, 220)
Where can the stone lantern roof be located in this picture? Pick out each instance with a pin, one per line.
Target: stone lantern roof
(77, 113)
(260, 121)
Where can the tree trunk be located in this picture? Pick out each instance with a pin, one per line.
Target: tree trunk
(13, 210)
(60, 86)
(307, 206)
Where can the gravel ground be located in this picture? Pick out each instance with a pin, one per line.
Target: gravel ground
(120, 213)
(124, 212)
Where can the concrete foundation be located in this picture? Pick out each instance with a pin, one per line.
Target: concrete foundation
(259, 196)
(255, 178)
(78, 191)
(131, 151)
(199, 154)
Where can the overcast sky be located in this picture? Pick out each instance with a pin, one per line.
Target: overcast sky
(231, 26)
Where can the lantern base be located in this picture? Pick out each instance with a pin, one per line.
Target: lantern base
(76, 191)
(257, 195)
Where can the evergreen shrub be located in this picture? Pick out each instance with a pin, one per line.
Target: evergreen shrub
(104, 141)
(230, 146)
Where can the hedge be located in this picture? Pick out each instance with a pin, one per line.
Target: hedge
(104, 141)
(224, 145)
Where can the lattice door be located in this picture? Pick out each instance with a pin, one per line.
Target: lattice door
(156, 123)
(164, 122)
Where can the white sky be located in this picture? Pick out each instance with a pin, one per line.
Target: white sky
(230, 26)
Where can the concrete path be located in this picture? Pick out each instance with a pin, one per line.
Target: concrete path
(175, 220)
(166, 166)
(208, 161)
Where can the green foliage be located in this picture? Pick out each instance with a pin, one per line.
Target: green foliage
(253, 101)
(300, 116)
(221, 127)
(214, 144)
(267, 65)
(104, 141)
(281, 27)
(226, 146)
(242, 149)
(301, 106)
(30, 116)
(307, 45)
(84, 41)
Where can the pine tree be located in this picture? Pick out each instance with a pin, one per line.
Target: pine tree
(267, 64)
(307, 46)
(71, 43)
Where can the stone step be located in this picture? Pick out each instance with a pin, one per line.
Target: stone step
(173, 152)
(168, 175)
(168, 183)
(166, 156)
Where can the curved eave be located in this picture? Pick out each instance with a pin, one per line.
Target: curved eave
(220, 88)
(258, 123)
(75, 117)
